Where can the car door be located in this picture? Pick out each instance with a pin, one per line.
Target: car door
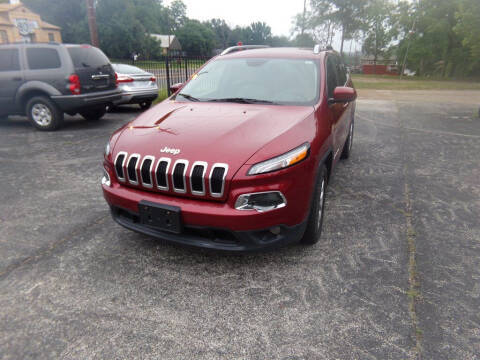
(344, 109)
(336, 109)
(11, 78)
(44, 65)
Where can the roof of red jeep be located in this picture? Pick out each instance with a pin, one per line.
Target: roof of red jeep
(285, 52)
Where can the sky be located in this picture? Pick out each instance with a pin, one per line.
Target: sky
(277, 14)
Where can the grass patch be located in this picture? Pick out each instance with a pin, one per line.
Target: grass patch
(162, 95)
(386, 82)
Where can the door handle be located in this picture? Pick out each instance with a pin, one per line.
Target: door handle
(17, 78)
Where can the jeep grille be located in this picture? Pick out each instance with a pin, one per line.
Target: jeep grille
(199, 179)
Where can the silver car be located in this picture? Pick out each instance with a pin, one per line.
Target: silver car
(137, 85)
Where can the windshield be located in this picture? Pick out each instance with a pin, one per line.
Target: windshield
(256, 80)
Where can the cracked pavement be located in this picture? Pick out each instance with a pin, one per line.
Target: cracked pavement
(76, 285)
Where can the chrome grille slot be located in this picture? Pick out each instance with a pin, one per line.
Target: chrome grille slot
(178, 176)
(119, 165)
(217, 179)
(197, 174)
(161, 173)
(132, 169)
(146, 171)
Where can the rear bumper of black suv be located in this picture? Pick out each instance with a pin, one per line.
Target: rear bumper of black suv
(74, 103)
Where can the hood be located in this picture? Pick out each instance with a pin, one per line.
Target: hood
(211, 132)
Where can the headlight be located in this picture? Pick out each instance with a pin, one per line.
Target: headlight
(280, 162)
(107, 149)
(261, 201)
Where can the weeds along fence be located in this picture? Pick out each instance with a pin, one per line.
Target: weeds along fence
(168, 70)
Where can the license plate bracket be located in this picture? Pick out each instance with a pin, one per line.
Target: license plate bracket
(160, 217)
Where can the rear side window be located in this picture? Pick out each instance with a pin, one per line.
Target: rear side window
(43, 58)
(9, 60)
(86, 57)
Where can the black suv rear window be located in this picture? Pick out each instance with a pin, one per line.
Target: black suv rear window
(9, 60)
(43, 58)
(86, 56)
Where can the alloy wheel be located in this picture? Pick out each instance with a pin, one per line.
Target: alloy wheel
(41, 114)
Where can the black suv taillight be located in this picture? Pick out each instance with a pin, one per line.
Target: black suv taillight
(74, 84)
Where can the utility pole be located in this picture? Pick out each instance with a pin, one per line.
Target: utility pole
(92, 23)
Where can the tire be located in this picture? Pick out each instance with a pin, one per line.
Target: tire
(313, 231)
(95, 113)
(145, 105)
(44, 114)
(347, 147)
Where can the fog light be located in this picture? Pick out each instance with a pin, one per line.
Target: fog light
(106, 178)
(261, 202)
(275, 230)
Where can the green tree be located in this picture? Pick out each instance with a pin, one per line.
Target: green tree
(196, 38)
(70, 15)
(346, 15)
(222, 32)
(259, 33)
(428, 40)
(378, 30)
(279, 41)
(178, 14)
(124, 27)
(304, 40)
(468, 28)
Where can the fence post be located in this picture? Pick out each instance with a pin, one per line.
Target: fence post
(186, 69)
(167, 70)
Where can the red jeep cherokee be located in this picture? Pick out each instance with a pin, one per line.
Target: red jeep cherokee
(240, 156)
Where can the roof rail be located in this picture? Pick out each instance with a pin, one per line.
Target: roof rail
(31, 43)
(242, 47)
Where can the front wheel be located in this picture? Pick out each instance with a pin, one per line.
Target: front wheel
(315, 219)
(94, 113)
(44, 114)
(347, 148)
(145, 105)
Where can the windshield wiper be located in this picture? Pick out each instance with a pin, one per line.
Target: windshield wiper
(243, 101)
(189, 97)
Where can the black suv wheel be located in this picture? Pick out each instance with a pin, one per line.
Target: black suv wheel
(44, 114)
(94, 113)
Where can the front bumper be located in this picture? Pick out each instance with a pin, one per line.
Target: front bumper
(71, 103)
(214, 238)
(138, 96)
(217, 224)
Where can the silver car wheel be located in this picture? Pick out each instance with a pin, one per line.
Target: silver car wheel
(41, 114)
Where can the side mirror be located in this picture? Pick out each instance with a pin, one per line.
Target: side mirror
(343, 94)
(175, 87)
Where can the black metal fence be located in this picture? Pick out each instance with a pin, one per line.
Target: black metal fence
(169, 69)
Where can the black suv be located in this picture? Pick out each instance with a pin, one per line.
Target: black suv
(44, 81)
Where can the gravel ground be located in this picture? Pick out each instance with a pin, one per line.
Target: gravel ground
(396, 276)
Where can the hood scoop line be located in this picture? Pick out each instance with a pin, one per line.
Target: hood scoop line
(167, 115)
